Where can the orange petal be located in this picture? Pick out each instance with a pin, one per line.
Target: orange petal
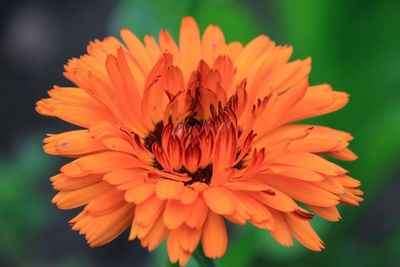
(247, 185)
(214, 237)
(72, 143)
(184, 257)
(74, 112)
(192, 157)
(140, 231)
(123, 96)
(224, 150)
(328, 213)
(152, 47)
(198, 213)
(106, 202)
(106, 228)
(310, 161)
(174, 81)
(277, 200)
(224, 65)
(250, 53)
(233, 49)
(211, 41)
(189, 44)
(348, 181)
(343, 154)
(168, 189)
(303, 232)
(118, 144)
(137, 48)
(100, 163)
(122, 176)
(139, 193)
(175, 213)
(321, 139)
(61, 182)
(318, 100)
(187, 195)
(297, 173)
(155, 236)
(219, 200)
(349, 198)
(303, 191)
(284, 133)
(269, 62)
(77, 198)
(189, 238)
(287, 75)
(173, 246)
(330, 184)
(168, 45)
(282, 232)
(149, 210)
(256, 209)
(130, 78)
(279, 107)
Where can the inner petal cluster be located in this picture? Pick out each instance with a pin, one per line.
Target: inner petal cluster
(196, 119)
(188, 148)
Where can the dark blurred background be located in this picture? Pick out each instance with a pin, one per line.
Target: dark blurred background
(354, 46)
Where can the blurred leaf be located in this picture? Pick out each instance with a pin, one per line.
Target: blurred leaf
(149, 17)
(22, 209)
(234, 18)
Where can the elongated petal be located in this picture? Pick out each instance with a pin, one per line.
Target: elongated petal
(136, 46)
(76, 198)
(303, 191)
(312, 162)
(198, 214)
(175, 213)
(62, 182)
(106, 202)
(225, 149)
(328, 213)
(189, 44)
(155, 236)
(214, 236)
(282, 232)
(147, 212)
(212, 42)
(100, 163)
(189, 238)
(304, 233)
(318, 100)
(72, 143)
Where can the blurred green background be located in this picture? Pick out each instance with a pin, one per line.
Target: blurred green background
(354, 45)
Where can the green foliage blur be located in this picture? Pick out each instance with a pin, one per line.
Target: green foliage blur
(354, 46)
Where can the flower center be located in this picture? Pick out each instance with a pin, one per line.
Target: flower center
(187, 148)
(154, 136)
(202, 175)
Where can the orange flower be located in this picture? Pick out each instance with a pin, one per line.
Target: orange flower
(178, 139)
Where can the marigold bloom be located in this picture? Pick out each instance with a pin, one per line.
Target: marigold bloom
(178, 139)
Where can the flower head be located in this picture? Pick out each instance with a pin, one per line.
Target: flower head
(178, 139)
